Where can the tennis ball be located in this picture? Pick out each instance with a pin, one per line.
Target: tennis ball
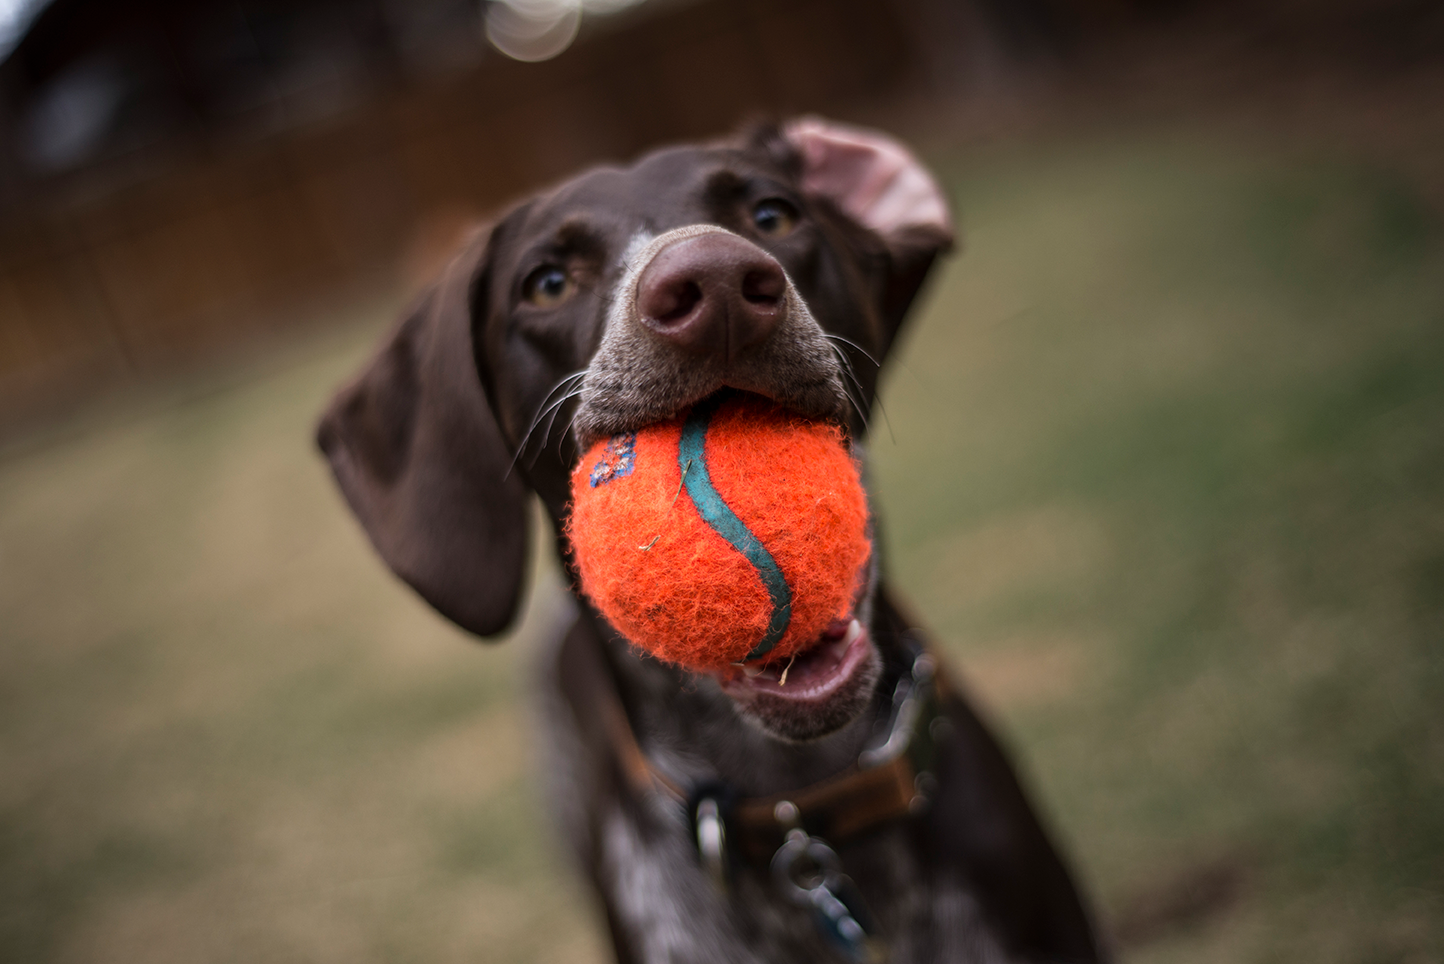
(734, 532)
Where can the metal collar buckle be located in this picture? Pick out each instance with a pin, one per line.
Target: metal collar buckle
(712, 840)
(808, 872)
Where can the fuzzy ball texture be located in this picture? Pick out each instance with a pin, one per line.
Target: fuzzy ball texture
(674, 584)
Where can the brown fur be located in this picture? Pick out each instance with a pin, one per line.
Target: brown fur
(467, 408)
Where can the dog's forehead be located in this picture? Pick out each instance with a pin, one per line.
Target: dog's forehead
(663, 190)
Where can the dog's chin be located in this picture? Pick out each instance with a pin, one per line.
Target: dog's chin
(824, 688)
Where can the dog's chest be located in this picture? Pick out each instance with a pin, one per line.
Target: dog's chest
(671, 912)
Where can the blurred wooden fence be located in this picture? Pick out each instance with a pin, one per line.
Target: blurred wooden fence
(215, 239)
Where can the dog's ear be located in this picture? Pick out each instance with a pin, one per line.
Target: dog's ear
(418, 454)
(878, 183)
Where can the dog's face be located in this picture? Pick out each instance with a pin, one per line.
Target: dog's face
(779, 264)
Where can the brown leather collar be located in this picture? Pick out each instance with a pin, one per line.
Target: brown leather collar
(886, 783)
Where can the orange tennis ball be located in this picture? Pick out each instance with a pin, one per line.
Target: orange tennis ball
(737, 531)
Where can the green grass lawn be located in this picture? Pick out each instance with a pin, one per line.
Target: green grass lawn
(1162, 464)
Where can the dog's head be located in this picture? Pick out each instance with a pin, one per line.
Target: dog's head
(781, 263)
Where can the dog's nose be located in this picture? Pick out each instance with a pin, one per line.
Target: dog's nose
(713, 294)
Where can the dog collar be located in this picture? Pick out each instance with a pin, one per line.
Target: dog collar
(792, 833)
(891, 779)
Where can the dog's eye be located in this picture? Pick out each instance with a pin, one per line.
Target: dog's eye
(548, 286)
(774, 217)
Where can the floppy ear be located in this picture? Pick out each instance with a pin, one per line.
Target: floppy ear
(878, 183)
(417, 452)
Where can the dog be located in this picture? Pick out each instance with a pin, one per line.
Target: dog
(862, 811)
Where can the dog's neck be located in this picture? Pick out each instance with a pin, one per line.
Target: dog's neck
(693, 733)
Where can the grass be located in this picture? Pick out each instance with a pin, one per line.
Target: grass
(227, 734)
(1169, 476)
(1161, 465)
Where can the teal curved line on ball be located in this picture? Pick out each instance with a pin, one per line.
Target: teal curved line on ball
(692, 458)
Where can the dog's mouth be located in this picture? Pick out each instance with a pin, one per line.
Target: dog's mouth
(814, 690)
(812, 693)
(812, 676)
(816, 680)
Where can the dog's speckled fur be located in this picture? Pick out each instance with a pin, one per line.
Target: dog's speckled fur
(467, 408)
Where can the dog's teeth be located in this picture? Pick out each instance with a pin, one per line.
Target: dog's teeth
(854, 630)
(752, 672)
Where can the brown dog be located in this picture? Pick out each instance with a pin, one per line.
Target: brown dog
(861, 812)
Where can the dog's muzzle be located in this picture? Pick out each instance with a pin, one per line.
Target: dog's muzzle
(697, 309)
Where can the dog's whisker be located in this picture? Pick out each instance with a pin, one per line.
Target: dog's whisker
(554, 408)
(565, 381)
(862, 413)
(546, 436)
(885, 420)
(852, 344)
(566, 429)
(856, 399)
(564, 385)
(542, 413)
(843, 361)
(855, 395)
(851, 388)
(857, 407)
(845, 364)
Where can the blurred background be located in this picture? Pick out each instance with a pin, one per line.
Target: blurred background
(1161, 457)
